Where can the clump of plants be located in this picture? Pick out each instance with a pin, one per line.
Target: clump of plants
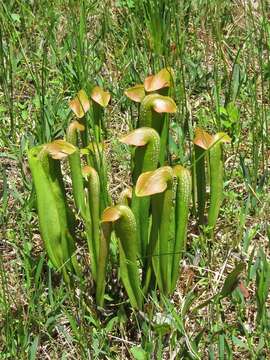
(149, 222)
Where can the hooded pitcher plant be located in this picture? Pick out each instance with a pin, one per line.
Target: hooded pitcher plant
(151, 217)
(55, 218)
(125, 197)
(86, 197)
(100, 100)
(105, 236)
(75, 167)
(159, 83)
(93, 216)
(170, 190)
(159, 184)
(150, 107)
(96, 158)
(209, 147)
(80, 106)
(146, 155)
(97, 102)
(89, 214)
(124, 223)
(153, 111)
(182, 201)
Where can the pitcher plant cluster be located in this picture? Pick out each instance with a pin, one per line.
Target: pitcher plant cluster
(150, 220)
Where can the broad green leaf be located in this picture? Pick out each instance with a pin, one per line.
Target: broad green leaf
(231, 280)
(138, 353)
(34, 348)
(239, 343)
